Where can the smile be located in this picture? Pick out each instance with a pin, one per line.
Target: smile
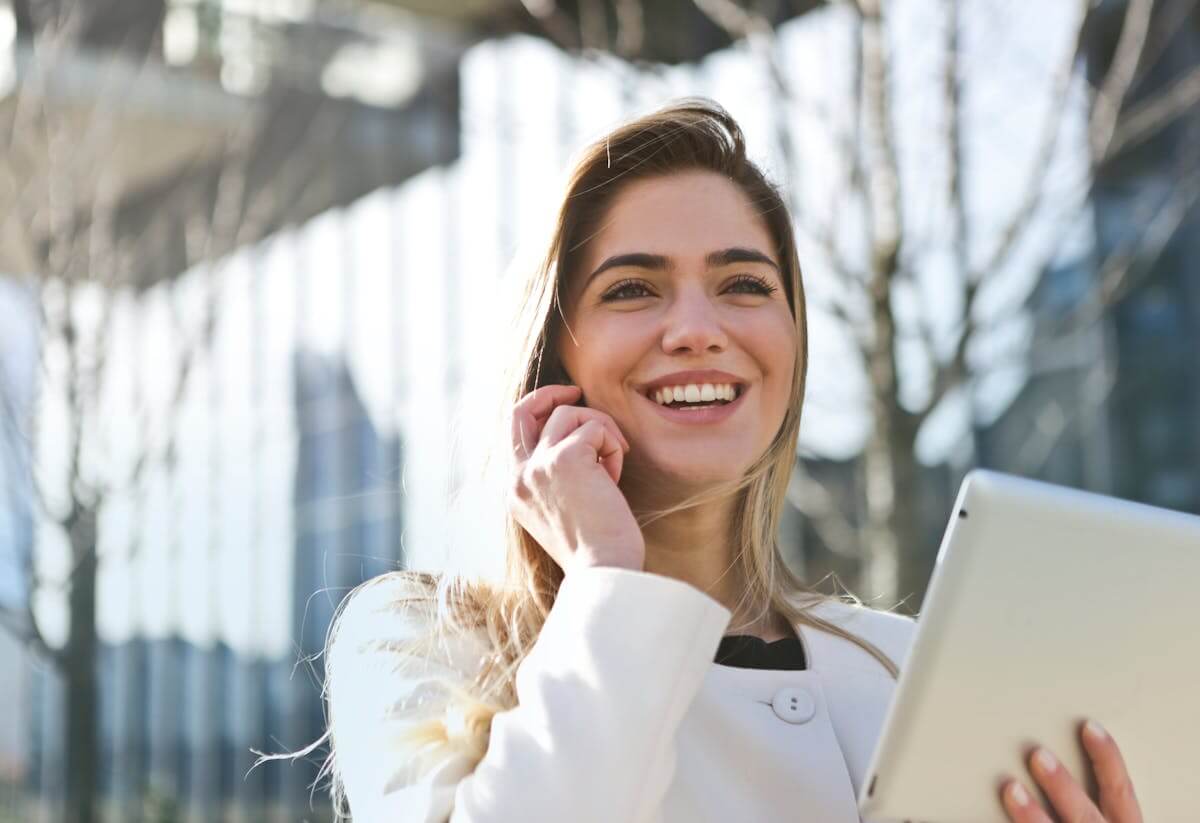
(691, 394)
(703, 410)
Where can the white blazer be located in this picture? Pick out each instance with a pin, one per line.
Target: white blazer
(622, 715)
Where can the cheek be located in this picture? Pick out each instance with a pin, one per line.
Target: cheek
(610, 345)
(773, 342)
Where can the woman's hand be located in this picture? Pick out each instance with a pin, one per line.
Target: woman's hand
(1116, 803)
(564, 492)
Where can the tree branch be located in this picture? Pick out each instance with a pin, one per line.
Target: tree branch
(1052, 422)
(949, 375)
(1034, 189)
(883, 173)
(1131, 262)
(1153, 115)
(819, 506)
(1110, 97)
(1121, 271)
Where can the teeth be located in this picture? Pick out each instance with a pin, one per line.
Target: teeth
(695, 393)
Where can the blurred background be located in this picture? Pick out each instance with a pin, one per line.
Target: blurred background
(251, 259)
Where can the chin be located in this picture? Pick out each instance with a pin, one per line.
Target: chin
(693, 475)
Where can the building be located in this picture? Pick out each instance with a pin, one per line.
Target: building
(1128, 385)
(179, 723)
(348, 527)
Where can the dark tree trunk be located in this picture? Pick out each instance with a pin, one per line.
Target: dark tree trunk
(907, 522)
(896, 550)
(79, 673)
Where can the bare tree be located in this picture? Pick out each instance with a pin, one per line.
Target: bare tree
(874, 248)
(891, 537)
(89, 226)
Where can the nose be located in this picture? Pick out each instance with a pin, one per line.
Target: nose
(693, 324)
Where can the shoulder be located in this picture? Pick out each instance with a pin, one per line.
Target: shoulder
(387, 609)
(395, 665)
(398, 601)
(394, 625)
(890, 632)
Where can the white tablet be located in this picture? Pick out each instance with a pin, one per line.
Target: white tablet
(1047, 605)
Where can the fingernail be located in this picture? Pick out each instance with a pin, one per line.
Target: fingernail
(1018, 794)
(1095, 730)
(1045, 761)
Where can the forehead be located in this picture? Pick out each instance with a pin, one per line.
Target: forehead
(682, 216)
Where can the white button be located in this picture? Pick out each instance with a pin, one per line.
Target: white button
(794, 704)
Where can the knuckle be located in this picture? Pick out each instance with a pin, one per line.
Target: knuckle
(587, 429)
(571, 448)
(559, 412)
(602, 418)
(539, 470)
(1122, 791)
(519, 490)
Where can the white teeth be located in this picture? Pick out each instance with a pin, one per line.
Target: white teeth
(695, 393)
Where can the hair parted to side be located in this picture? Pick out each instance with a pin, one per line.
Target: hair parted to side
(688, 135)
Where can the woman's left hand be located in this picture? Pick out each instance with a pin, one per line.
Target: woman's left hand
(1116, 803)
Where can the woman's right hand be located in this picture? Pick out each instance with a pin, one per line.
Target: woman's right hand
(564, 490)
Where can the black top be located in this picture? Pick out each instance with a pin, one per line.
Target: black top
(746, 651)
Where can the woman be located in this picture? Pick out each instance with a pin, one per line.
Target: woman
(648, 656)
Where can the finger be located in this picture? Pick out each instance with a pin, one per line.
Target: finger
(594, 436)
(611, 456)
(1020, 805)
(530, 413)
(565, 419)
(1069, 799)
(1117, 798)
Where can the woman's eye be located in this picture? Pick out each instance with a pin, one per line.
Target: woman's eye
(625, 290)
(746, 283)
(755, 284)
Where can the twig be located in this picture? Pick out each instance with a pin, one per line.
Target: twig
(1110, 97)
(1155, 114)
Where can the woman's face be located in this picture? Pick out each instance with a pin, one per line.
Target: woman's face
(682, 279)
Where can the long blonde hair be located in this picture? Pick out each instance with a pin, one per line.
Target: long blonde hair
(689, 135)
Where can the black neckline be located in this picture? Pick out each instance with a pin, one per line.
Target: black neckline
(745, 651)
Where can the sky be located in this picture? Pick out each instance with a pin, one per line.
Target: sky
(408, 284)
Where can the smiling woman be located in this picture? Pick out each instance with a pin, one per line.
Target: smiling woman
(700, 300)
(649, 656)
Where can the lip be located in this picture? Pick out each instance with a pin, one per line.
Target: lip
(699, 417)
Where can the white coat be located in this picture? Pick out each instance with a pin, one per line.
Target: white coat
(622, 716)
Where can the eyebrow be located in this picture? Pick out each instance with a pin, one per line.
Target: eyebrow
(658, 262)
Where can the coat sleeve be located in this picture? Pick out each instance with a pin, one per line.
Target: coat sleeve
(600, 696)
